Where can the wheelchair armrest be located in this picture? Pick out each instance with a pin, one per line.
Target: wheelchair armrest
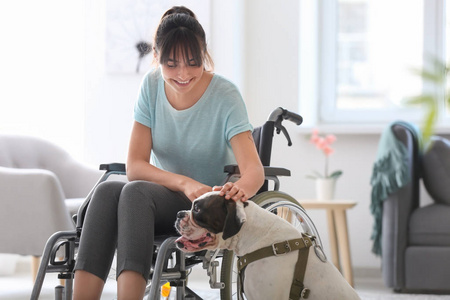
(276, 171)
(268, 171)
(113, 167)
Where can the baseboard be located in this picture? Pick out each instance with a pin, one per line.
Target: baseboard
(366, 272)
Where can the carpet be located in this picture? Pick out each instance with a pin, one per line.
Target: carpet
(214, 295)
(369, 296)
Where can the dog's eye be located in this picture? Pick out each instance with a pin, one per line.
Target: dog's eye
(195, 208)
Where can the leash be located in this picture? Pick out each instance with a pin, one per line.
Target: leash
(298, 290)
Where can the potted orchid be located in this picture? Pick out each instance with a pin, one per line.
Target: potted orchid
(325, 183)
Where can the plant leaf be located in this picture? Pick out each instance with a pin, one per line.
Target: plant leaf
(315, 175)
(318, 174)
(335, 174)
(432, 76)
(429, 124)
(435, 72)
(425, 99)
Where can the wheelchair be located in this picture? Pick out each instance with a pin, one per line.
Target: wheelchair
(170, 264)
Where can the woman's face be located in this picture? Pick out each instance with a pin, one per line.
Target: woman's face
(181, 75)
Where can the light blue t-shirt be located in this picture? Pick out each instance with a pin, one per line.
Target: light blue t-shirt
(193, 142)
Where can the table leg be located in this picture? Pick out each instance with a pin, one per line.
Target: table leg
(344, 246)
(332, 238)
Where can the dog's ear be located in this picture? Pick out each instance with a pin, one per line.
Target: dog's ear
(234, 219)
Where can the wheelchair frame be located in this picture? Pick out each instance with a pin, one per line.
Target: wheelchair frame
(165, 245)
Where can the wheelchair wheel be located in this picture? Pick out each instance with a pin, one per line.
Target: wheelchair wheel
(285, 207)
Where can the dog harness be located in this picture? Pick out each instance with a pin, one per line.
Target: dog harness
(298, 290)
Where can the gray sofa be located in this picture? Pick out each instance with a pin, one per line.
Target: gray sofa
(416, 239)
(41, 187)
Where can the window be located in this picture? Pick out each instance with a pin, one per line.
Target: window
(367, 51)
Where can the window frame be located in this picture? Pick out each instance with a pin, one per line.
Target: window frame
(320, 18)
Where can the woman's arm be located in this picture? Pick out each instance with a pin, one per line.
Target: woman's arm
(251, 169)
(139, 168)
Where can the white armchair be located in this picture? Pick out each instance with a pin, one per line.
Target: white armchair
(41, 187)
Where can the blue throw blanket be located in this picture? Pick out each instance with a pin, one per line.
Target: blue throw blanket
(390, 172)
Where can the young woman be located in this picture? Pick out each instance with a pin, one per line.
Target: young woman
(190, 123)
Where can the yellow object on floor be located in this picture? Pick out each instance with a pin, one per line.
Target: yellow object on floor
(165, 290)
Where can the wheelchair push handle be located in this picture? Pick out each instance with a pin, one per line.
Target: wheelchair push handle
(280, 113)
(293, 117)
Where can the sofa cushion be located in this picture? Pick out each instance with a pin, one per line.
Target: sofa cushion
(436, 169)
(430, 225)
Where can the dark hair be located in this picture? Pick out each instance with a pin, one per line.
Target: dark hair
(180, 32)
(179, 10)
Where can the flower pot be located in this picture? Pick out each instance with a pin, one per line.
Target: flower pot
(325, 188)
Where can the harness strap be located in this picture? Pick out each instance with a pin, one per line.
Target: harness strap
(302, 244)
(298, 290)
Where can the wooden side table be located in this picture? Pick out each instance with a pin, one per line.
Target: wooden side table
(338, 232)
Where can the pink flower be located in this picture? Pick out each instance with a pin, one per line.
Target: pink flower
(315, 136)
(324, 143)
(328, 150)
(321, 143)
(331, 138)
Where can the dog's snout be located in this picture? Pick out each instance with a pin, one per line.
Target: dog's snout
(181, 214)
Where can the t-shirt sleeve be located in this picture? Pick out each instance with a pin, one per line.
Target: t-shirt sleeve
(142, 111)
(237, 119)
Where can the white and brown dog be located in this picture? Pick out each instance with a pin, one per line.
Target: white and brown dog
(214, 223)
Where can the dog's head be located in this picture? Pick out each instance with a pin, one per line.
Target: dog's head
(211, 218)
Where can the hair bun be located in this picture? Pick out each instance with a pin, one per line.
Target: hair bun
(179, 10)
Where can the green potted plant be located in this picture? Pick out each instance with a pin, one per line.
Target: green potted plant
(325, 182)
(435, 75)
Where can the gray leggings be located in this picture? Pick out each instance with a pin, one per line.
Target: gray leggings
(126, 216)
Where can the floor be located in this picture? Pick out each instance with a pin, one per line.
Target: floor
(368, 284)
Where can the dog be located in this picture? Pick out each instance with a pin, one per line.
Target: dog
(216, 223)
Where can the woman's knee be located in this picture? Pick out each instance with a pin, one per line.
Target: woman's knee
(106, 194)
(109, 189)
(110, 186)
(139, 191)
(145, 194)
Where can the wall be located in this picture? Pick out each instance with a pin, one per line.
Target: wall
(271, 49)
(258, 49)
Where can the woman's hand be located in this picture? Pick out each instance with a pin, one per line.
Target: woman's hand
(232, 191)
(251, 169)
(194, 189)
